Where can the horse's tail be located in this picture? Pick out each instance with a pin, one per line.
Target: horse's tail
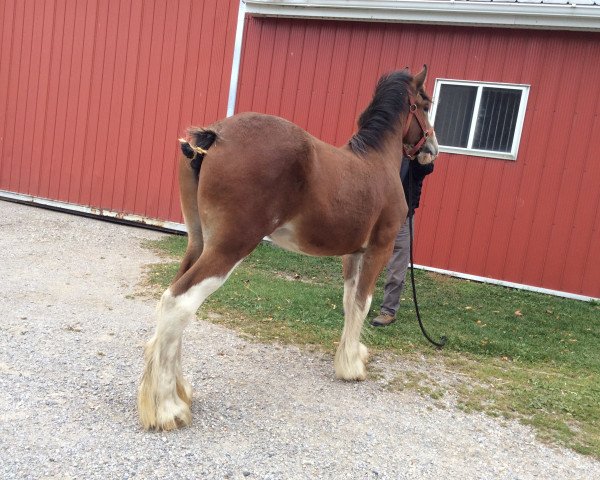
(201, 140)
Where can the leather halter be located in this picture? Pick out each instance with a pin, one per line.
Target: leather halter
(426, 132)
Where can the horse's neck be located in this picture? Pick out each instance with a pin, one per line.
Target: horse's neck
(389, 153)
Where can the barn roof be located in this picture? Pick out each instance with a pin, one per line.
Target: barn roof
(545, 14)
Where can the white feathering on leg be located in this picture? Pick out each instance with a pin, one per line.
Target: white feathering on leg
(352, 355)
(164, 395)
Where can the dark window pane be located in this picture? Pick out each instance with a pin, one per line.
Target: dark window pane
(454, 114)
(497, 119)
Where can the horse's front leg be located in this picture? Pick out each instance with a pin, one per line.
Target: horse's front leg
(360, 275)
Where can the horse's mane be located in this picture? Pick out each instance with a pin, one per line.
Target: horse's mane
(389, 102)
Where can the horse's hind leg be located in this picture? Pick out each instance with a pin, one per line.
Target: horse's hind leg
(360, 275)
(188, 194)
(163, 398)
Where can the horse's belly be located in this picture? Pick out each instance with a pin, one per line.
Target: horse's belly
(285, 237)
(308, 242)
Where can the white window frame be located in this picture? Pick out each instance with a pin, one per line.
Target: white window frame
(512, 155)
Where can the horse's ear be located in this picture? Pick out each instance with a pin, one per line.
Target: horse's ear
(420, 78)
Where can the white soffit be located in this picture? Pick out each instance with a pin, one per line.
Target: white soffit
(553, 14)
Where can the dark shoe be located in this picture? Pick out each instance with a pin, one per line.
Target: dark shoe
(383, 320)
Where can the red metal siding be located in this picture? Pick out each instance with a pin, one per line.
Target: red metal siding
(93, 95)
(535, 220)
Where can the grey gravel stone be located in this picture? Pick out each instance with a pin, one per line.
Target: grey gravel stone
(71, 338)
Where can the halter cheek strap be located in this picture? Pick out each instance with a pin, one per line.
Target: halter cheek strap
(426, 132)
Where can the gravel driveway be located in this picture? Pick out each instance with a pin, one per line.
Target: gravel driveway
(71, 339)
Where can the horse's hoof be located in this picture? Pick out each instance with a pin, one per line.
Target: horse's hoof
(167, 413)
(350, 370)
(353, 375)
(173, 415)
(169, 416)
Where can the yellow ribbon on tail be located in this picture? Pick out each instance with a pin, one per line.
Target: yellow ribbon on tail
(186, 146)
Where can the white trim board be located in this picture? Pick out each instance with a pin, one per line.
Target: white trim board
(237, 58)
(94, 212)
(448, 12)
(180, 227)
(504, 283)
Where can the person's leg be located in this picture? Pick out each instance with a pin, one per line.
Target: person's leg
(396, 273)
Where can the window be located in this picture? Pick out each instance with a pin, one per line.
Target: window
(478, 118)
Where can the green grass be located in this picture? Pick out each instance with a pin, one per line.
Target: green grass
(524, 355)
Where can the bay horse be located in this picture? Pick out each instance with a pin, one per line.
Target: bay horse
(252, 175)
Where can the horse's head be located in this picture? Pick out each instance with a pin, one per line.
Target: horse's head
(419, 137)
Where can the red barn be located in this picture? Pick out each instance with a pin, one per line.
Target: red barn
(93, 96)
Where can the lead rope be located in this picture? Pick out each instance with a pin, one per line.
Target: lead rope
(443, 339)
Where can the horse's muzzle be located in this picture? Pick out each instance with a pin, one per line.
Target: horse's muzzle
(431, 146)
